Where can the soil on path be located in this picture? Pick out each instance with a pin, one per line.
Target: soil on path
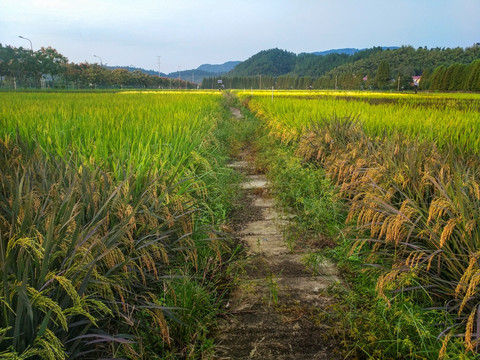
(276, 307)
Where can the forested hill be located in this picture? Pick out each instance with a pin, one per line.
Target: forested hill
(402, 61)
(276, 62)
(348, 51)
(273, 62)
(409, 61)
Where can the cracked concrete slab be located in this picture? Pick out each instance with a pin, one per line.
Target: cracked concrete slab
(254, 182)
(238, 165)
(262, 202)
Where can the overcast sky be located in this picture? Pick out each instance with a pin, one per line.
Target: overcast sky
(188, 33)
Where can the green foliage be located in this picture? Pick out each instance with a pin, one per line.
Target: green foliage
(426, 80)
(456, 77)
(303, 189)
(345, 71)
(26, 68)
(110, 128)
(373, 328)
(273, 62)
(383, 76)
(315, 66)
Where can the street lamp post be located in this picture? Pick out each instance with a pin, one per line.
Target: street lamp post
(31, 46)
(101, 62)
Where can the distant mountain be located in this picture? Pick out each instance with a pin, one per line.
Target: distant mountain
(205, 70)
(220, 68)
(193, 75)
(348, 51)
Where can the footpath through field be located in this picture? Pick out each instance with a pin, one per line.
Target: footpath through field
(276, 305)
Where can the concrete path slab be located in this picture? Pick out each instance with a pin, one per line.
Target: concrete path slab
(274, 304)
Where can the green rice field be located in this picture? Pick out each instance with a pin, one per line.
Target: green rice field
(112, 207)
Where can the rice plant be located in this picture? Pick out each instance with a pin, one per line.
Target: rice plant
(410, 173)
(448, 121)
(102, 202)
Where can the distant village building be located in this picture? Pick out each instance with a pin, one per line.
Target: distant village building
(416, 80)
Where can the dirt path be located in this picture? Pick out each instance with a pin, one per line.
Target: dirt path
(276, 306)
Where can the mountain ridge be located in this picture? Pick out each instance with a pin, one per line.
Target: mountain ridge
(348, 51)
(404, 61)
(219, 68)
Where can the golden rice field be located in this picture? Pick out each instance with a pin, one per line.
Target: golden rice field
(446, 119)
(106, 201)
(142, 132)
(408, 167)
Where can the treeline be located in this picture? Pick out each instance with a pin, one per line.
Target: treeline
(375, 68)
(411, 61)
(86, 75)
(276, 62)
(287, 82)
(456, 77)
(404, 60)
(47, 68)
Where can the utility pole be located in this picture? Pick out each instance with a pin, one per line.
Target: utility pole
(336, 82)
(159, 73)
(398, 85)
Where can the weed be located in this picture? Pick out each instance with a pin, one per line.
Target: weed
(273, 287)
(315, 261)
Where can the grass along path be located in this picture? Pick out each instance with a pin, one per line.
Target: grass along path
(272, 309)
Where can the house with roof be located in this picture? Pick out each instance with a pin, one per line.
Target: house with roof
(416, 80)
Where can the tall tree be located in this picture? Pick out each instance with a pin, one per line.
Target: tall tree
(382, 78)
(436, 79)
(51, 62)
(425, 80)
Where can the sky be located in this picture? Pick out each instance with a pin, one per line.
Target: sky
(188, 33)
